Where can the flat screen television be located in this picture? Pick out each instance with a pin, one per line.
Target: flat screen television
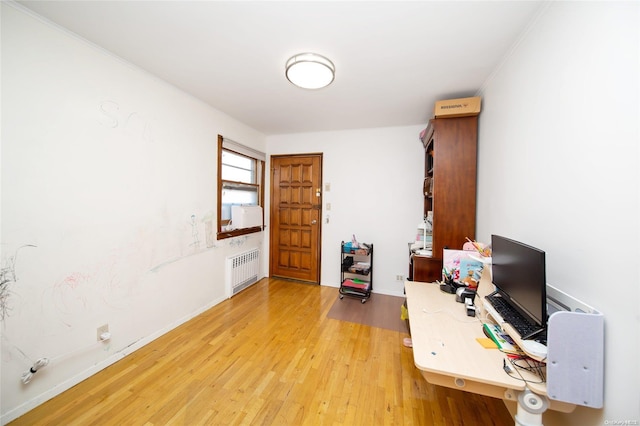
(519, 274)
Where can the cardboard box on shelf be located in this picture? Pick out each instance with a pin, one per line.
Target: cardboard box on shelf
(463, 107)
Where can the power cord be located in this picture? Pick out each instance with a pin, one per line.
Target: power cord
(532, 366)
(451, 314)
(27, 376)
(42, 362)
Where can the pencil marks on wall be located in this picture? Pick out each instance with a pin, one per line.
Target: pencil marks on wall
(71, 290)
(111, 115)
(7, 278)
(180, 247)
(194, 232)
(108, 273)
(208, 232)
(103, 281)
(128, 195)
(238, 241)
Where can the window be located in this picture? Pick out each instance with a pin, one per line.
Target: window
(240, 182)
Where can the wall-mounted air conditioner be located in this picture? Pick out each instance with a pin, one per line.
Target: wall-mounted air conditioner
(246, 217)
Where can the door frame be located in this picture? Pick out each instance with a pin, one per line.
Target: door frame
(272, 207)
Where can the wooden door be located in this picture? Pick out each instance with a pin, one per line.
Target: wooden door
(296, 205)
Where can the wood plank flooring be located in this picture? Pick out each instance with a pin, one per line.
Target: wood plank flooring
(268, 356)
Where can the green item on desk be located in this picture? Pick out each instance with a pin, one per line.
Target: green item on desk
(500, 338)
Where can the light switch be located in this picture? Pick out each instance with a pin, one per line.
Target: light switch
(327, 186)
(328, 206)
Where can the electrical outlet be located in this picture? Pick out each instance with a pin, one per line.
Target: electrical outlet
(399, 277)
(103, 329)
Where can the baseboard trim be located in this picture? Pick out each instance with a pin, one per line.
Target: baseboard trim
(24, 408)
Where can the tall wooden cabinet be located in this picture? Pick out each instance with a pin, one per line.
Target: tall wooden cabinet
(450, 149)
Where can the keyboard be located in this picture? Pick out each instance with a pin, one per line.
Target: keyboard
(509, 314)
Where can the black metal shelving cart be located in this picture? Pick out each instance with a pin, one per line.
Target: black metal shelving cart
(356, 272)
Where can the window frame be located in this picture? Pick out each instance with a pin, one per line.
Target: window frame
(259, 178)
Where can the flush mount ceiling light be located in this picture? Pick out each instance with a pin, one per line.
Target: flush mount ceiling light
(310, 71)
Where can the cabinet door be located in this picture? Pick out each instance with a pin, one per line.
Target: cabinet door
(454, 191)
(426, 269)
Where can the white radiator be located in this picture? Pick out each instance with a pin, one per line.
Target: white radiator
(242, 271)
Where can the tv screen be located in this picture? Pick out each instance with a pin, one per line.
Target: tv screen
(519, 275)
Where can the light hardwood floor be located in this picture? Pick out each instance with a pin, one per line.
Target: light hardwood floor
(268, 356)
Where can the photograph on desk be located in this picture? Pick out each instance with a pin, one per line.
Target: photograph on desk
(461, 267)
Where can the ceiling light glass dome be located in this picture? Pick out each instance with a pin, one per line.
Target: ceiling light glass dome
(310, 71)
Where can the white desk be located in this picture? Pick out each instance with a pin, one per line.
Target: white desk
(447, 353)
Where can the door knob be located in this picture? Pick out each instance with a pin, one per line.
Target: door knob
(313, 222)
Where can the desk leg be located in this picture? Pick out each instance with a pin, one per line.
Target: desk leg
(530, 408)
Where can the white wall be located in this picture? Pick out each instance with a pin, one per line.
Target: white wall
(103, 167)
(376, 181)
(558, 155)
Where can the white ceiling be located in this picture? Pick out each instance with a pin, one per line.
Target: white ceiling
(393, 59)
